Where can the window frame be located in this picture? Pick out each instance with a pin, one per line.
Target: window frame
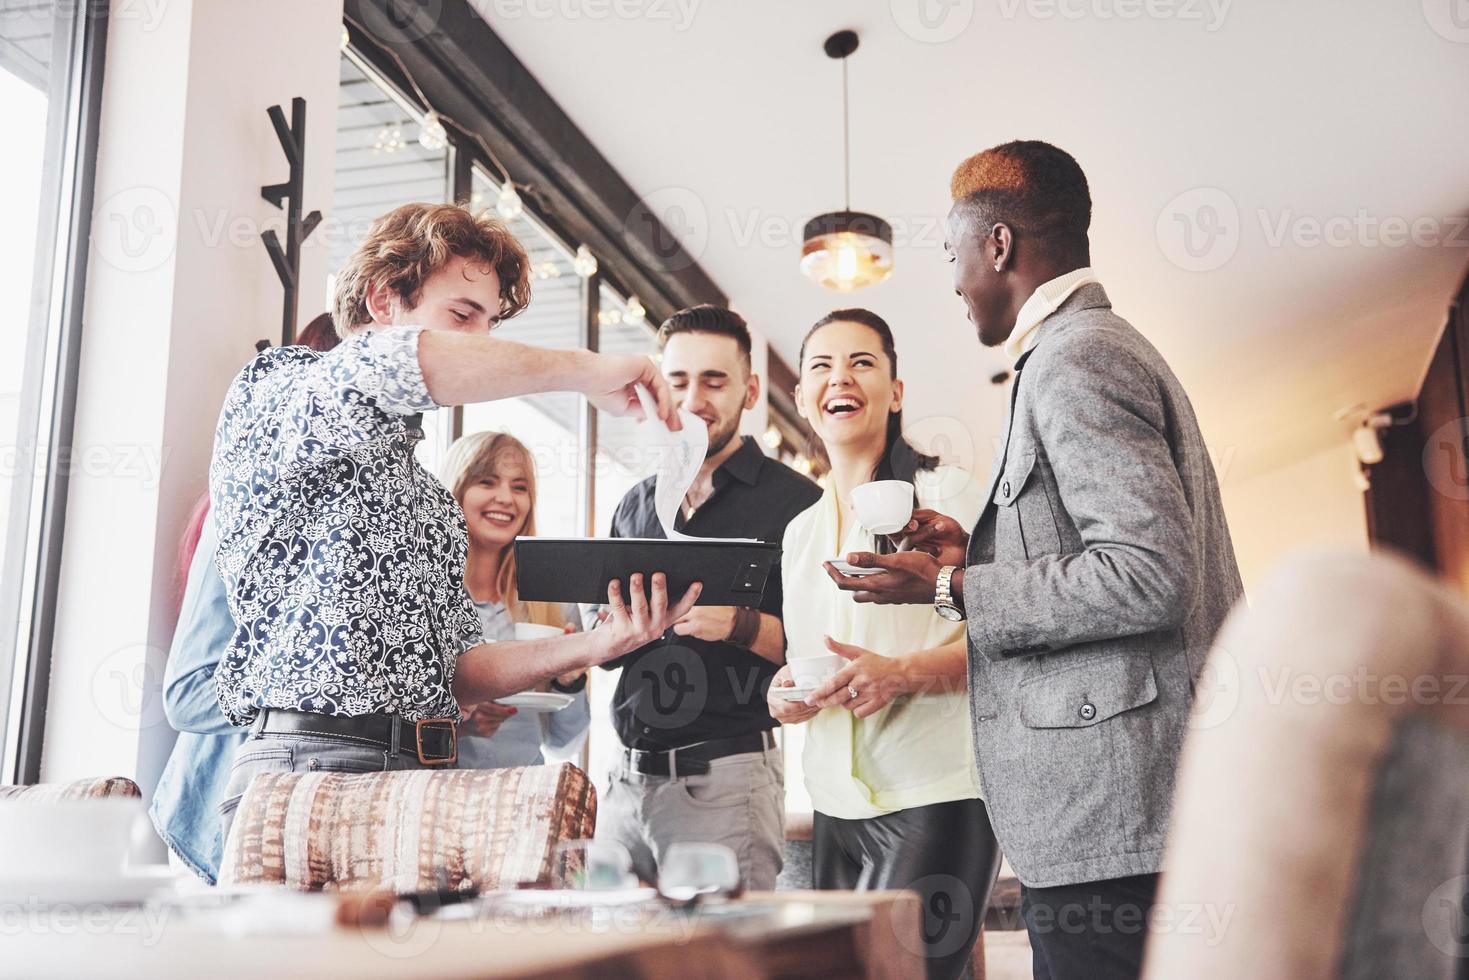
(35, 533)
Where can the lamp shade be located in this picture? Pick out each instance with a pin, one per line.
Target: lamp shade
(846, 250)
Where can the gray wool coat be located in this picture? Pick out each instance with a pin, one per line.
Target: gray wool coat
(1097, 575)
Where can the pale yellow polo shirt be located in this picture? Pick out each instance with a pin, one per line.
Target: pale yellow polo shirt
(917, 751)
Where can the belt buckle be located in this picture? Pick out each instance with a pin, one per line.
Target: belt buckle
(453, 756)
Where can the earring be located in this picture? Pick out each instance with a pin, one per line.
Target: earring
(997, 267)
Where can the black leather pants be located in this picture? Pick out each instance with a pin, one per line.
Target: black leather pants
(946, 852)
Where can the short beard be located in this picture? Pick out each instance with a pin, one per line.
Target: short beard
(717, 444)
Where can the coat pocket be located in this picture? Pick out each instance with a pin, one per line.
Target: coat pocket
(1025, 522)
(1088, 693)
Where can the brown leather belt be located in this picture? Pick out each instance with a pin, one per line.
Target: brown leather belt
(435, 740)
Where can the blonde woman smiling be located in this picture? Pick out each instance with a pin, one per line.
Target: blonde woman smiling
(889, 759)
(493, 477)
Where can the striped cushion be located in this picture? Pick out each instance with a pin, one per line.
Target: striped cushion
(81, 789)
(410, 830)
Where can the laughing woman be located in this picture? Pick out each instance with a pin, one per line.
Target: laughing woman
(493, 477)
(889, 758)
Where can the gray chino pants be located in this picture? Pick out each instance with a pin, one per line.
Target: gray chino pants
(739, 802)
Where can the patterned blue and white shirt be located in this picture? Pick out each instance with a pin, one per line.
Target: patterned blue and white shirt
(342, 557)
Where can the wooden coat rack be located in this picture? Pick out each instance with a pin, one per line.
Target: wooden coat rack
(287, 195)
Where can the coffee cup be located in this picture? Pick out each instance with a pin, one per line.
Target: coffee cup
(883, 506)
(815, 671)
(537, 631)
(67, 839)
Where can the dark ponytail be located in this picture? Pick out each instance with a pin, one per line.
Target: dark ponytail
(900, 459)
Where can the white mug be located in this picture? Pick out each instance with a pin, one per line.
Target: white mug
(883, 506)
(815, 671)
(67, 838)
(536, 631)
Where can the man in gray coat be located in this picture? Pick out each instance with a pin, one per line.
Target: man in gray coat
(1094, 580)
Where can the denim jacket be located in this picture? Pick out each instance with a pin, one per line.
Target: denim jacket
(184, 808)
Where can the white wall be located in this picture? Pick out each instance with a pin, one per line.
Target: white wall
(179, 290)
(1312, 501)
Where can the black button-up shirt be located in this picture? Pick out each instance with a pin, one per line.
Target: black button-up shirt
(680, 690)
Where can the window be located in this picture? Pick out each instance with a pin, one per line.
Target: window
(550, 425)
(50, 86)
(380, 164)
(621, 463)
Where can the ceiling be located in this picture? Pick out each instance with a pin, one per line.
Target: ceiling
(1294, 143)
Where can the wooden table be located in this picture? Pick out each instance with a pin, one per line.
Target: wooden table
(775, 934)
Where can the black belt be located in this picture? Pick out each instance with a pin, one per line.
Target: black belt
(433, 739)
(693, 760)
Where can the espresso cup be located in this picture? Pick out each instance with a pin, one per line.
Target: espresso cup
(814, 671)
(883, 506)
(536, 631)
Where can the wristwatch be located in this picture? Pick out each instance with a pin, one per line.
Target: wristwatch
(943, 599)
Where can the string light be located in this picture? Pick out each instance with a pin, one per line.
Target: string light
(432, 135)
(609, 318)
(634, 311)
(389, 140)
(772, 438)
(585, 262)
(548, 270)
(346, 41)
(508, 204)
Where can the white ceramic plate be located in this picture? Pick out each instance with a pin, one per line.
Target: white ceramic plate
(852, 570)
(793, 693)
(124, 889)
(537, 701)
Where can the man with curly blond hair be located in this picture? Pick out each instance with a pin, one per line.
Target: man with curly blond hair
(343, 559)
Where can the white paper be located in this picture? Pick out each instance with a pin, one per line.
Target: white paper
(680, 454)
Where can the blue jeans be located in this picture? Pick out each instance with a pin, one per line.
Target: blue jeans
(281, 752)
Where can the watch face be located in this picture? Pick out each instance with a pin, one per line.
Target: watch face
(951, 613)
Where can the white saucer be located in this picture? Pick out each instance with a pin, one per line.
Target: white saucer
(131, 888)
(537, 701)
(852, 570)
(793, 693)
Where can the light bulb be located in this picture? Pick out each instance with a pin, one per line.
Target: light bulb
(846, 263)
(772, 438)
(609, 318)
(431, 135)
(634, 311)
(585, 262)
(548, 270)
(508, 205)
(346, 41)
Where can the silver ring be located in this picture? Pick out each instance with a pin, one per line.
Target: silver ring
(852, 692)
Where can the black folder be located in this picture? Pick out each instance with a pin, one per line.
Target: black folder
(734, 573)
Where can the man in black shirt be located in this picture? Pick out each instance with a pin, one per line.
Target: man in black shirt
(699, 762)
